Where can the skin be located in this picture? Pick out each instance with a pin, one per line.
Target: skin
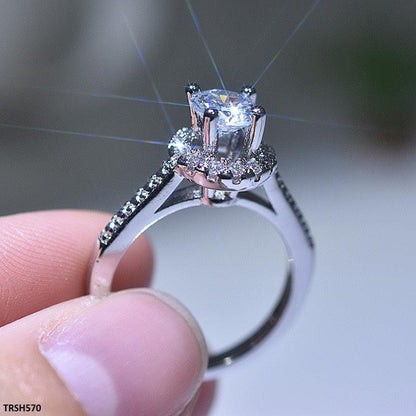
(44, 269)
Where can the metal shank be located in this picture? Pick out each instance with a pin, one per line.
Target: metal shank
(280, 210)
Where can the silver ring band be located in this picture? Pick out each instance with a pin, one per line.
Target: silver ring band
(223, 158)
(280, 210)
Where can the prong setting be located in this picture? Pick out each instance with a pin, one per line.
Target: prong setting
(257, 128)
(192, 88)
(224, 149)
(250, 91)
(210, 128)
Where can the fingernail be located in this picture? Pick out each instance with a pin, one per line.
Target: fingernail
(135, 352)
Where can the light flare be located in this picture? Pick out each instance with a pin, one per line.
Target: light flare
(78, 133)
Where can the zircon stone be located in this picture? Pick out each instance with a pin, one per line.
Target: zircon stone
(127, 209)
(181, 141)
(111, 227)
(140, 196)
(165, 169)
(229, 130)
(234, 109)
(105, 237)
(117, 219)
(155, 181)
(215, 168)
(254, 166)
(238, 169)
(219, 196)
(196, 160)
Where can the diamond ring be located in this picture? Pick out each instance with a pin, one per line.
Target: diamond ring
(220, 159)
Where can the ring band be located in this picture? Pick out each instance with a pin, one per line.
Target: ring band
(215, 181)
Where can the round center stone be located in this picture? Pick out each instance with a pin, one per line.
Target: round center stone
(233, 123)
(234, 109)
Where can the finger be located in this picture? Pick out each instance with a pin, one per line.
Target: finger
(44, 259)
(205, 399)
(201, 403)
(90, 354)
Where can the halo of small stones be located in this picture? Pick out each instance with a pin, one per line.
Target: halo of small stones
(132, 207)
(205, 160)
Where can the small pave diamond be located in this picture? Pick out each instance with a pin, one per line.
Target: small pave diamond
(128, 209)
(215, 167)
(181, 141)
(207, 161)
(212, 176)
(155, 181)
(254, 166)
(190, 168)
(112, 227)
(142, 193)
(166, 168)
(105, 237)
(140, 196)
(118, 220)
(238, 168)
(150, 186)
(219, 196)
(197, 193)
(196, 160)
(121, 214)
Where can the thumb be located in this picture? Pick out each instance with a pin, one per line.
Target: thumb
(136, 352)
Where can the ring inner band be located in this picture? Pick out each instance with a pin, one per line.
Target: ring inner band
(229, 355)
(279, 210)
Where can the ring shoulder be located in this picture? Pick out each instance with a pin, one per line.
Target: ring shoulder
(137, 203)
(276, 183)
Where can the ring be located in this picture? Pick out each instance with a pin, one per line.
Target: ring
(220, 159)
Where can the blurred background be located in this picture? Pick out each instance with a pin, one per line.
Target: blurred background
(341, 99)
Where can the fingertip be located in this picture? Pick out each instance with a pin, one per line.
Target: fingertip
(48, 253)
(203, 402)
(139, 349)
(45, 254)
